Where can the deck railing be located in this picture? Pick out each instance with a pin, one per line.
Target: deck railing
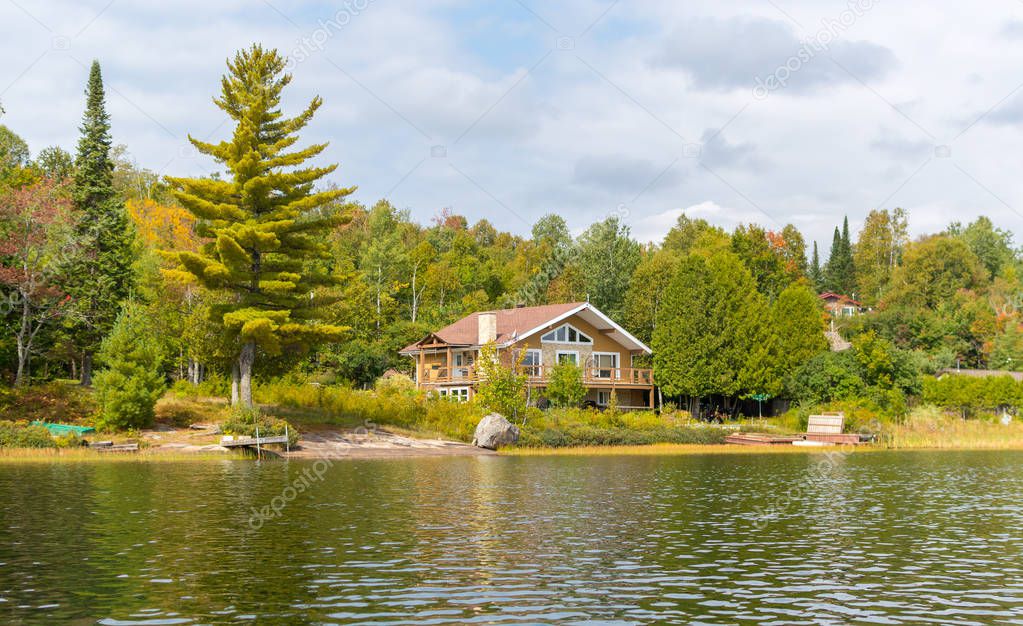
(540, 374)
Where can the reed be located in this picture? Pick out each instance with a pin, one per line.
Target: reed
(85, 455)
(672, 449)
(928, 427)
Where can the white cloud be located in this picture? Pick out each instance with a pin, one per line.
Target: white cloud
(587, 129)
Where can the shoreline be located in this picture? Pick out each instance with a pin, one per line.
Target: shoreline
(437, 448)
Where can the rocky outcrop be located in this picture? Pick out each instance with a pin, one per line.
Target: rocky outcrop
(494, 431)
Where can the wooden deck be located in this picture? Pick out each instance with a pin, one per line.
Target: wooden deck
(539, 375)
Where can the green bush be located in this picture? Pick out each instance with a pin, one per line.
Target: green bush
(14, 435)
(969, 395)
(127, 390)
(565, 387)
(215, 385)
(502, 388)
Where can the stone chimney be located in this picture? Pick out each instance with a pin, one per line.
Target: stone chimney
(488, 327)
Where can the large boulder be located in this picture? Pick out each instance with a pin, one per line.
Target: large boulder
(495, 431)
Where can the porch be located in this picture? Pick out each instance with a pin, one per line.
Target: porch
(539, 376)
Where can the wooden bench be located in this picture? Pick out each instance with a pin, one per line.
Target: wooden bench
(827, 428)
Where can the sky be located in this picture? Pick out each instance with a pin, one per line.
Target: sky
(766, 111)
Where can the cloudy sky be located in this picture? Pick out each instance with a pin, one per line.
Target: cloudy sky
(771, 111)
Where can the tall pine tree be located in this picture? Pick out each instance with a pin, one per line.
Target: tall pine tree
(101, 268)
(816, 273)
(267, 227)
(840, 272)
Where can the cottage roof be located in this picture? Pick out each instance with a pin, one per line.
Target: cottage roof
(521, 322)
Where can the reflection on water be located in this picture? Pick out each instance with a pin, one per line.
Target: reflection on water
(879, 537)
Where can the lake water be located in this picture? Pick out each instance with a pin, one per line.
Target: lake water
(878, 537)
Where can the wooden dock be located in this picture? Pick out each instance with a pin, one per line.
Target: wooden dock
(253, 442)
(761, 439)
(110, 446)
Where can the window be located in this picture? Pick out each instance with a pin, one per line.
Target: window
(456, 394)
(566, 334)
(532, 362)
(603, 398)
(605, 365)
(461, 361)
(568, 356)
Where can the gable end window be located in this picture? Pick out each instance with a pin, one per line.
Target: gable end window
(566, 334)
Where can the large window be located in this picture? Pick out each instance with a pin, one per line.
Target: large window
(532, 362)
(605, 365)
(566, 334)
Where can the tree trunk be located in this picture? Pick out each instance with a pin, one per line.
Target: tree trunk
(87, 370)
(74, 368)
(19, 378)
(24, 346)
(234, 384)
(245, 361)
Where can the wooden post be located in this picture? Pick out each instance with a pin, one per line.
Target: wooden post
(419, 368)
(451, 372)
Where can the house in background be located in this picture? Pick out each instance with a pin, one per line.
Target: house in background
(551, 334)
(841, 306)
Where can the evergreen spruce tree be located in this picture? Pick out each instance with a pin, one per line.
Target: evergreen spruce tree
(711, 334)
(816, 273)
(267, 227)
(797, 323)
(840, 271)
(101, 268)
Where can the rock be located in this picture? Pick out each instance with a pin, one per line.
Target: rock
(495, 431)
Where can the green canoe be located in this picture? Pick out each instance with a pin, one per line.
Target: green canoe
(65, 429)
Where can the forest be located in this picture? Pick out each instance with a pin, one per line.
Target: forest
(131, 283)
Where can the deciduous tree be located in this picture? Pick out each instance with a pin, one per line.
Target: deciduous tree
(34, 225)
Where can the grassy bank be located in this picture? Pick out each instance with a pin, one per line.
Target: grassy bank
(401, 409)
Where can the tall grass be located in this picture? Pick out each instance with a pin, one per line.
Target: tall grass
(930, 427)
(86, 455)
(670, 449)
(391, 404)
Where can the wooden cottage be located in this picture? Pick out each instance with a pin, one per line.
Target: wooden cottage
(576, 332)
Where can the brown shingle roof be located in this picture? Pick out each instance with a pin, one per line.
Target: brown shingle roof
(510, 322)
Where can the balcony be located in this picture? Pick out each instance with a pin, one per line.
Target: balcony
(538, 375)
